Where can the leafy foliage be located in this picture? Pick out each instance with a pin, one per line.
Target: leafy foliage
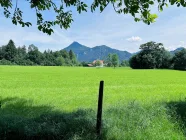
(115, 60)
(109, 60)
(152, 55)
(10, 55)
(140, 10)
(5, 62)
(124, 63)
(9, 51)
(179, 60)
(84, 64)
(112, 60)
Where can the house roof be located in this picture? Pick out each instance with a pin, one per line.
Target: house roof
(101, 61)
(90, 65)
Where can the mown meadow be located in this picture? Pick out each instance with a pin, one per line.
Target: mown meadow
(61, 103)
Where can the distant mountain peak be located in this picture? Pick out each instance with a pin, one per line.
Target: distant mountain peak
(75, 42)
(76, 45)
(88, 54)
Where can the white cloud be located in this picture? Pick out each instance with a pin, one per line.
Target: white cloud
(134, 39)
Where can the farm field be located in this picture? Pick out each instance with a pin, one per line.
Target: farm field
(61, 103)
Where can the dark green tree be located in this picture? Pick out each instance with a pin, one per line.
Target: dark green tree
(57, 54)
(10, 55)
(72, 57)
(71, 54)
(163, 60)
(84, 64)
(134, 62)
(147, 61)
(10, 51)
(152, 55)
(2, 52)
(21, 55)
(49, 58)
(34, 54)
(151, 46)
(179, 60)
(65, 54)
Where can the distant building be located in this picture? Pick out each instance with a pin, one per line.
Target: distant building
(90, 65)
(101, 61)
(94, 62)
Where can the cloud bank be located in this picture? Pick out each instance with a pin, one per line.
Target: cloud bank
(134, 39)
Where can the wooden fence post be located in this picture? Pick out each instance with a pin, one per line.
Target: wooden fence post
(99, 111)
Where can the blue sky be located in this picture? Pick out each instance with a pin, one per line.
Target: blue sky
(107, 28)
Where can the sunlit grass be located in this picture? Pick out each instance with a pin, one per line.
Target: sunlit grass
(142, 94)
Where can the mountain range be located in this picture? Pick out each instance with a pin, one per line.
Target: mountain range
(87, 54)
(176, 50)
(84, 53)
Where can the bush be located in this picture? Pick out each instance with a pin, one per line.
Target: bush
(6, 62)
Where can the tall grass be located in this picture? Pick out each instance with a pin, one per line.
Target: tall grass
(60, 103)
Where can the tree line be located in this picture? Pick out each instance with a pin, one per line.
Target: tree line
(10, 55)
(154, 56)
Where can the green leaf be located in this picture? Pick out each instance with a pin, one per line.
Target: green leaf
(101, 8)
(136, 19)
(40, 27)
(151, 2)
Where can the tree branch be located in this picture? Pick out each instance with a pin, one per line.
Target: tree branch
(114, 7)
(15, 7)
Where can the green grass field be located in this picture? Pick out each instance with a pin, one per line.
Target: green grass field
(61, 103)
